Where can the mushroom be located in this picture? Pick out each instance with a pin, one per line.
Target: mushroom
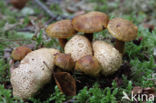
(89, 65)
(78, 46)
(62, 30)
(109, 58)
(64, 61)
(123, 30)
(91, 22)
(20, 52)
(34, 71)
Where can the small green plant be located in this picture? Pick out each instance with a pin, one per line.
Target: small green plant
(39, 39)
(57, 96)
(6, 96)
(97, 95)
(82, 96)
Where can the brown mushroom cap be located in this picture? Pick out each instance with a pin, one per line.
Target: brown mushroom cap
(20, 52)
(122, 29)
(64, 61)
(109, 58)
(61, 29)
(78, 46)
(88, 65)
(90, 22)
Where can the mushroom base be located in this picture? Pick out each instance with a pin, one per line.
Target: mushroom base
(119, 45)
(89, 36)
(62, 42)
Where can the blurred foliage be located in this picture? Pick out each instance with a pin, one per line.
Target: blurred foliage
(55, 7)
(4, 72)
(6, 96)
(97, 95)
(120, 7)
(145, 9)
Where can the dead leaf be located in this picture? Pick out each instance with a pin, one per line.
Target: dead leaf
(79, 13)
(137, 90)
(66, 83)
(138, 41)
(70, 9)
(73, 6)
(119, 81)
(32, 46)
(8, 26)
(7, 53)
(149, 26)
(149, 90)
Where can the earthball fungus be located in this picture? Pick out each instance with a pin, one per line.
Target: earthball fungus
(62, 30)
(123, 30)
(20, 52)
(109, 58)
(88, 65)
(78, 46)
(89, 23)
(34, 71)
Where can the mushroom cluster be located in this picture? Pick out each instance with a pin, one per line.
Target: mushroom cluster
(94, 57)
(81, 53)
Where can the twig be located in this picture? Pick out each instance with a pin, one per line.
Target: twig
(3, 39)
(25, 30)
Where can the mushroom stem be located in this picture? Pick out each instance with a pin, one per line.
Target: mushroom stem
(119, 45)
(62, 42)
(89, 36)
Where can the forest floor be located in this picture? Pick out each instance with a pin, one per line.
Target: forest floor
(26, 27)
